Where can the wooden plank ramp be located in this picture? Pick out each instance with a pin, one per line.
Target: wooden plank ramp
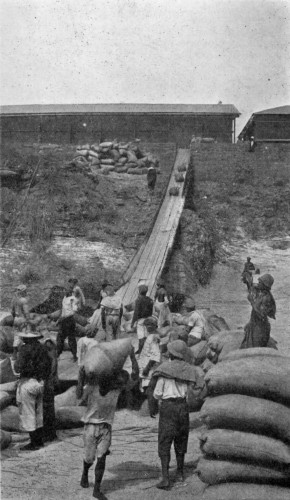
(151, 257)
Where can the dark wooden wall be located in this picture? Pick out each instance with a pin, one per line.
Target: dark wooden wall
(272, 127)
(93, 128)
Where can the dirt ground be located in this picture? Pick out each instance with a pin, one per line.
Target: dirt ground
(133, 468)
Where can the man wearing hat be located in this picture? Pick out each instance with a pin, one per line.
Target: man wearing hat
(257, 331)
(143, 309)
(33, 364)
(173, 378)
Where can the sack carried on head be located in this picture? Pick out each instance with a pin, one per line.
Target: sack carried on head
(106, 358)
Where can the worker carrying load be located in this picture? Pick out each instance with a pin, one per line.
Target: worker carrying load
(173, 379)
(111, 313)
(194, 321)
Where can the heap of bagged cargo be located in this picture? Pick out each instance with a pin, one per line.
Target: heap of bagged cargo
(115, 156)
(246, 452)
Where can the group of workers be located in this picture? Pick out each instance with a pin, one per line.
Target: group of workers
(36, 364)
(158, 362)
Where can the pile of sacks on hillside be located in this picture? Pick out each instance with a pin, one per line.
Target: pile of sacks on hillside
(115, 156)
(246, 447)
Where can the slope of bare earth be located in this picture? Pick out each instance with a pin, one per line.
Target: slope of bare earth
(246, 198)
(95, 224)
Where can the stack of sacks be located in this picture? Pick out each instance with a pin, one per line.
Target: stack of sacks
(248, 427)
(114, 156)
(223, 343)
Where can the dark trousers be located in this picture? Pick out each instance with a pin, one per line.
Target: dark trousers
(36, 437)
(67, 330)
(173, 426)
(49, 425)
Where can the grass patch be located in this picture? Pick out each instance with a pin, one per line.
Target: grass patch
(244, 188)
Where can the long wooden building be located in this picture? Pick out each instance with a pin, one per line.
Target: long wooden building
(269, 125)
(98, 122)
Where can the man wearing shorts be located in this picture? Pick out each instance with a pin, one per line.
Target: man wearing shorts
(102, 401)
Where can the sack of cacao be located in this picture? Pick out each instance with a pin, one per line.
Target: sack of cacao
(235, 445)
(179, 177)
(115, 155)
(106, 358)
(245, 491)
(174, 191)
(252, 352)
(224, 471)
(267, 376)
(107, 161)
(106, 145)
(121, 169)
(247, 414)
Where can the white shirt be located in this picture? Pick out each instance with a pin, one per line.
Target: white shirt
(69, 306)
(167, 388)
(83, 345)
(197, 322)
(149, 352)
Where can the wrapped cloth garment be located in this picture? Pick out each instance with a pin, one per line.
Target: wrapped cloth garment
(257, 330)
(180, 371)
(29, 397)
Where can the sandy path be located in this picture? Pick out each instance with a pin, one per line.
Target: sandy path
(133, 468)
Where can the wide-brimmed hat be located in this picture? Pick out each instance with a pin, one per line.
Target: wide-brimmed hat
(267, 280)
(30, 335)
(177, 348)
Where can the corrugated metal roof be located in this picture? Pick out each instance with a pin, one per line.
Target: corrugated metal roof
(281, 110)
(203, 109)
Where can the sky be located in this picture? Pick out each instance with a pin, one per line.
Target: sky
(146, 51)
